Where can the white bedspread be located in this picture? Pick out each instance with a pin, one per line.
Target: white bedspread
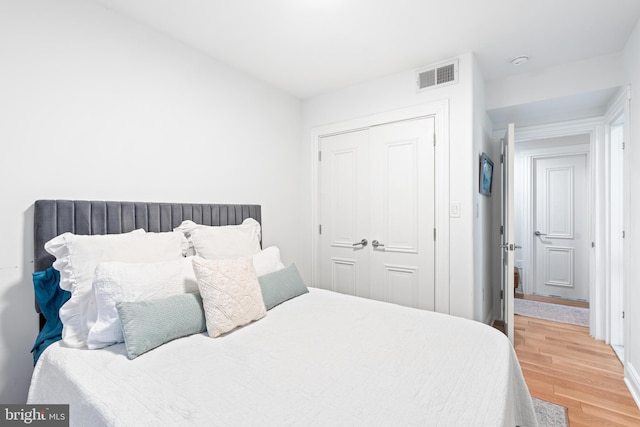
(322, 359)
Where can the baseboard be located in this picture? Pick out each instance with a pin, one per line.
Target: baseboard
(632, 380)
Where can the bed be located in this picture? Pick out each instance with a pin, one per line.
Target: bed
(317, 359)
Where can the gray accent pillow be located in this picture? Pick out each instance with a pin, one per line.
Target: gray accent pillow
(281, 285)
(149, 324)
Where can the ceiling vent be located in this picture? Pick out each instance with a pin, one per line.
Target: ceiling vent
(441, 74)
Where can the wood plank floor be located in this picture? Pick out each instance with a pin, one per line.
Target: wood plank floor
(564, 365)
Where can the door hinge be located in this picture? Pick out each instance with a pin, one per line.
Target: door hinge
(319, 228)
(501, 158)
(434, 139)
(623, 145)
(434, 234)
(593, 244)
(623, 314)
(501, 294)
(319, 156)
(623, 234)
(501, 229)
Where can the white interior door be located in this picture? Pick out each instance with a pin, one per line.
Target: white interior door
(508, 245)
(377, 213)
(344, 204)
(402, 213)
(561, 235)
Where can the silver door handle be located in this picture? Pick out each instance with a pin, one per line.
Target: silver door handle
(377, 244)
(537, 233)
(362, 243)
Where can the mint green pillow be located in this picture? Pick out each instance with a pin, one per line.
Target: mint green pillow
(281, 285)
(151, 323)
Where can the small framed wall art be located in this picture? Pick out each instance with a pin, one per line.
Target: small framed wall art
(486, 174)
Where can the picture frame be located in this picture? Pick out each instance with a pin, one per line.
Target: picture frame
(486, 175)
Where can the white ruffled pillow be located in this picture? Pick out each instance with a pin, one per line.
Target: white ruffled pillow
(77, 257)
(116, 282)
(230, 292)
(267, 261)
(226, 241)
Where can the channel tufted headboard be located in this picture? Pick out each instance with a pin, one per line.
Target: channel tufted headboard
(54, 217)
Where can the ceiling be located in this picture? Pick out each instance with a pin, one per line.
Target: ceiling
(307, 47)
(574, 107)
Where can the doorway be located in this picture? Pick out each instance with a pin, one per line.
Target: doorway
(439, 113)
(615, 226)
(553, 227)
(377, 212)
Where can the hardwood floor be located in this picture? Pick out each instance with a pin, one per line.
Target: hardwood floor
(564, 365)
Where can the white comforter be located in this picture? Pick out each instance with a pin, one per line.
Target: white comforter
(322, 359)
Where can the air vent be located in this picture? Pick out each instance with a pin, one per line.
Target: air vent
(441, 74)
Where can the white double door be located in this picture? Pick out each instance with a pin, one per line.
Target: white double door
(377, 213)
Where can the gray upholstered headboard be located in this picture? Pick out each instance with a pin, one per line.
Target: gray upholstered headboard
(54, 217)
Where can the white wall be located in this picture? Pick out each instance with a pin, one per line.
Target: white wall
(486, 218)
(632, 248)
(396, 92)
(568, 79)
(94, 106)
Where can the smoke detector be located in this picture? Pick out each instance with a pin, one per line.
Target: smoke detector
(520, 60)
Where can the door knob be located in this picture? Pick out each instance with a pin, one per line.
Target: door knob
(362, 243)
(377, 244)
(537, 233)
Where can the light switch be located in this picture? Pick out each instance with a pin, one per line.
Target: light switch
(454, 210)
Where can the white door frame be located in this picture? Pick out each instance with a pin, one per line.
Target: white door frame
(619, 107)
(508, 245)
(440, 111)
(594, 128)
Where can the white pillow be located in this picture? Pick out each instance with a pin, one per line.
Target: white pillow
(267, 261)
(230, 292)
(116, 282)
(77, 257)
(226, 241)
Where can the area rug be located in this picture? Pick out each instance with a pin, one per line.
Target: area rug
(555, 312)
(549, 414)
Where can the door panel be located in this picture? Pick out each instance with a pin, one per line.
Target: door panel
(508, 245)
(344, 275)
(559, 202)
(402, 213)
(402, 284)
(561, 228)
(399, 184)
(378, 184)
(344, 197)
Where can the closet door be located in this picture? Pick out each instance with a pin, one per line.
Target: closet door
(377, 213)
(402, 213)
(344, 204)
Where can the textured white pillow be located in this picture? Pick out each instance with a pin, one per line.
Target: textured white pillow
(116, 282)
(267, 261)
(77, 257)
(227, 241)
(230, 292)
